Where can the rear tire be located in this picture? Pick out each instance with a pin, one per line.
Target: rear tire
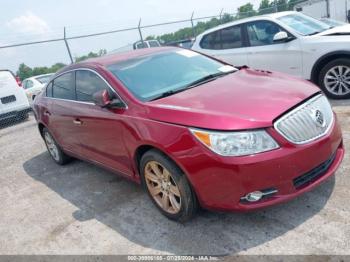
(334, 79)
(167, 186)
(54, 149)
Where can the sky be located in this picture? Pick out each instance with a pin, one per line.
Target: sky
(35, 20)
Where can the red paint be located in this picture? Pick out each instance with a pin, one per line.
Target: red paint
(243, 100)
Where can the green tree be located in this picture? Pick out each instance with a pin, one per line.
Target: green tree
(265, 7)
(150, 37)
(292, 3)
(24, 71)
(282, 5)
(40, 71)
(246, 10)
(187, 32)
(54, 68)
(101, 52)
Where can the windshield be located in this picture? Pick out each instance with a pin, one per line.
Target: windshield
(303, 24)
(148, 77)
(43, 79)
(332, 22)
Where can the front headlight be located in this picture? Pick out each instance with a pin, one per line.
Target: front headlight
(236, 143)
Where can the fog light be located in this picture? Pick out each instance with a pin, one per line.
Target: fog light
(258, 195)
(254, 196)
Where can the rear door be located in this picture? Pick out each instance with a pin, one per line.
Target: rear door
(226, 44)
(264, 53)
(62, 111)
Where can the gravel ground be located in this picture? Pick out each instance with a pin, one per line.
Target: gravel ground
(83, 209)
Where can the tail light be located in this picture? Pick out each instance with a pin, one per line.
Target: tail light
(18, 80)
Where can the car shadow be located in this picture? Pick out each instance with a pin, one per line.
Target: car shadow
(124, 207)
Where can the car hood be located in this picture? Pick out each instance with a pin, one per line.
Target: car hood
(338, 30)
(241, 100)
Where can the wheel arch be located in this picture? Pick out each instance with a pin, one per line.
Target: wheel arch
(41, 127)
(325, 59)
(142, 149)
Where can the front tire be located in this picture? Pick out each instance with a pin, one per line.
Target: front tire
(54, 149)
(334, 79)
(167, 186)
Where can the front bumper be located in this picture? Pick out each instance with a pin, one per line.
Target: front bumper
(221, 182)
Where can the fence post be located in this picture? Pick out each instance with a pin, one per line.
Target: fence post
(220, 16)
(139, 27)
(275, 5)
(66, 42)
(193, 30)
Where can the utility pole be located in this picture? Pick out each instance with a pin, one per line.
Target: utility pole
(193, 30)
(67, 46)
(275, 5)
(139, 28)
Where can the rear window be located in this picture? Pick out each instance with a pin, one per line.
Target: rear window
(7, 79)
(153, 43)
(43, 79)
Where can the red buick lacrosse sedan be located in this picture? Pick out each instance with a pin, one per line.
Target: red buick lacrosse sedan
(193, 130)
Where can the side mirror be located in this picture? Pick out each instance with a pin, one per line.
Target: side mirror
(280, 37)
(103, 99)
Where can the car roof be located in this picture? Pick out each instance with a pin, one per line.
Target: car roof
(246, 20)
(34, 77)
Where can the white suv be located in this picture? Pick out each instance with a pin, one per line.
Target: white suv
(289, 42)
(13, 100)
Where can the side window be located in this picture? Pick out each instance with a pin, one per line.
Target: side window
(64, 86)
(262, 32)
(153, 43)
(49, 90)
(24, 84)
(141, 45)
(211, 41)
(231, 37)
(29, 84)
(88, 83)
(227, 38)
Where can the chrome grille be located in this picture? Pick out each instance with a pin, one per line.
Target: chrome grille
(307, 122)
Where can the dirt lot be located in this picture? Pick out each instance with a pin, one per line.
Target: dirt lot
(82, 209)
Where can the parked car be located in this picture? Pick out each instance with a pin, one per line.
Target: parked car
(13, 101)
(185, 43)
(136, 45)
(289, 42)
(193, 130)
(34, 85)
(146, 44)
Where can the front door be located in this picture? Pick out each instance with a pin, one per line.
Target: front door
(264, 53)
(100, 129)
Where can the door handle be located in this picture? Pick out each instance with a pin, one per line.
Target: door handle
(47, 113)
(77, 122)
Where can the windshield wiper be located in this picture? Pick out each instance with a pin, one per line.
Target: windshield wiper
(207, 78)
(195, 83)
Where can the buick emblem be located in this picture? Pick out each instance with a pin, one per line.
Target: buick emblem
(318, 118)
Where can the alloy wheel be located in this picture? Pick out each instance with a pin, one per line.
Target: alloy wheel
(51, 145)
(337, 80)
(162, 187)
